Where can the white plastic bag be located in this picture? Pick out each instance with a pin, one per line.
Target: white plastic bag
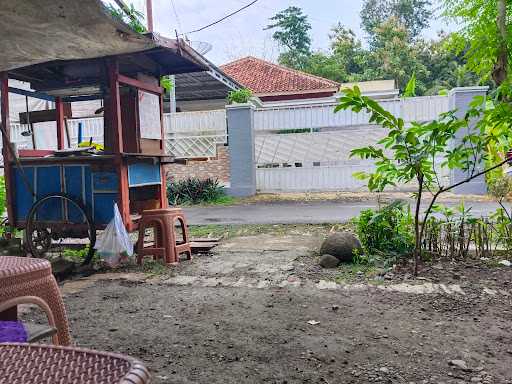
(114, 244)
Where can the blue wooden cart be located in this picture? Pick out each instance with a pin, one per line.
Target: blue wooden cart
(71, 192)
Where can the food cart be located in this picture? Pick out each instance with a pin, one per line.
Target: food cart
(70, 192)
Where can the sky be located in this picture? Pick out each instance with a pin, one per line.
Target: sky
(243, 34)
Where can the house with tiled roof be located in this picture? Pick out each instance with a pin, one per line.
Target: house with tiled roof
(273, 82)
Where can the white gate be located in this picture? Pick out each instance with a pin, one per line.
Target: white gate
(307, 147)
(313, 161)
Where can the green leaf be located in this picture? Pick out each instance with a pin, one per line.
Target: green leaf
(360, 175)
(411, 138)
(410, 88)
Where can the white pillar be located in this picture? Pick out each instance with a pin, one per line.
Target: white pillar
(460, 98)
(240, 119)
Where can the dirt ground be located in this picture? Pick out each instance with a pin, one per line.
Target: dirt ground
(259, 310)
(357, 196)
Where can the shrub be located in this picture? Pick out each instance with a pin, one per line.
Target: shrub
(387, 232)
(195, 191)
(239, 96)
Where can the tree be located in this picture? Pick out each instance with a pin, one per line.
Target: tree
(395, 51)
(483, 36)
(396, 58)
(327, 66)
(292, 32)
(413, 15)
(446, 69)
(346, 60)
(348, 50)
(409, 152)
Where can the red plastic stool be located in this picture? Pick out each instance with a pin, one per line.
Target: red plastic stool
(165, 244)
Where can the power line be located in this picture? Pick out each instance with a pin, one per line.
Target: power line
(178, 21)
(275, 10)
(222, 19)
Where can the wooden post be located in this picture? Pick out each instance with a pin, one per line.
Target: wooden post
(164, 203)
(115, 106)
(4, 89)
(149, 9)
(59, 113)
(117, 134)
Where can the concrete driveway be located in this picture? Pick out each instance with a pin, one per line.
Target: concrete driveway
(311, 212)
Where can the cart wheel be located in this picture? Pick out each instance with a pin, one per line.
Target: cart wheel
(41, 241)
(44, 236)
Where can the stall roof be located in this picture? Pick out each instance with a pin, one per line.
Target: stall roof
(47, 30)
(57, 43)
(50, 30)
(62, 43)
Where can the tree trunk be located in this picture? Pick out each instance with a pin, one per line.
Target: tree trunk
(417, 244)
(499, 73)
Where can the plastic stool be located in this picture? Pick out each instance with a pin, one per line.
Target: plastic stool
(164, 246)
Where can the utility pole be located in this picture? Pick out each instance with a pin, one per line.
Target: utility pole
(149, 9)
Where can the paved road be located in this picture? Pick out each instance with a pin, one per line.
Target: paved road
(314, 212)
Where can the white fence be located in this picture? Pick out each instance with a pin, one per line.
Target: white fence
(286, 160)
(195, 134)
(196, 123)
(311, 178)
(307, 147)
(313, 147)
(316, 161)
(91, 128)
(188, 134)
(317, 116)
(200, 146)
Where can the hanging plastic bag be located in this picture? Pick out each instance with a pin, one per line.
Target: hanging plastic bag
(114, 245)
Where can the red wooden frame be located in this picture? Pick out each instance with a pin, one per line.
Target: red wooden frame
(115, 116)
(59, 117)
(158, 91)
(4, 107)
(139, 84)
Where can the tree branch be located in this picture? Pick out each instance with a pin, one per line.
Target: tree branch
(468, 179)
(445, 189)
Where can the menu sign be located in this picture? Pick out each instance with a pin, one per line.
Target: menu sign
(149, 116)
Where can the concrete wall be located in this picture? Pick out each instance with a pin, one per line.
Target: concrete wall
(240, 118)
(459, 100)
(215, 168)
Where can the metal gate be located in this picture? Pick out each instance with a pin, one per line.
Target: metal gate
(307, 147)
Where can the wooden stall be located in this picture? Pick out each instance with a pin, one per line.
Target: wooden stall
(129, 170)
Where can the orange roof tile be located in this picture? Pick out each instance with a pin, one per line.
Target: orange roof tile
(263, 77)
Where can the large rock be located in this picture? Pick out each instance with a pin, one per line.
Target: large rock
(340, 245)
(328, 261)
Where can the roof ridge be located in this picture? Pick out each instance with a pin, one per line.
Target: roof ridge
(284, 68)
(237, 61)
(296, 71)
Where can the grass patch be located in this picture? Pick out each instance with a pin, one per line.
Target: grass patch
(348, 273)
(232, 230)
(219, 200)
(154, 268)
(78, 255)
